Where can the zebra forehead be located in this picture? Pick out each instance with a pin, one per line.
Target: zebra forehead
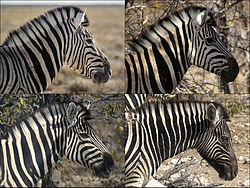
(61, 14)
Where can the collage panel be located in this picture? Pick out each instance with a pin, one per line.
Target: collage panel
(76, 139)
(68, 47)
(187, 140)
(125, 93)
(187, 46)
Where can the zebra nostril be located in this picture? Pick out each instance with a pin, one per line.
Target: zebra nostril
(109, 72)
(235, 172)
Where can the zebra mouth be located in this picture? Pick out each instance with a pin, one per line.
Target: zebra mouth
(225, 172)
(105, 170)
(102, 77)
(231, 73)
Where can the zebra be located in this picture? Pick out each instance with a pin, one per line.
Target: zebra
(162, 54)
(30, 148)
(160, 129)
(32, 56)
(135, 100)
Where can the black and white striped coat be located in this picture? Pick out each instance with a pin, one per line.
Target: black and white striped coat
(30, 148)
(160, 129)
(162, 54)
(32, 56)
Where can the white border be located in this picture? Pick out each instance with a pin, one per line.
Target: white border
(58, 2)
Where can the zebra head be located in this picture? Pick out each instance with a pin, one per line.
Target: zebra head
(83, 144)
(215, 144)
(86, 56)
(209, 52)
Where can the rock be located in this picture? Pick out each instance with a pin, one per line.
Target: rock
(174, 161)
(165, 167)
(247, 161)
(154, 183)
(246, 183)
(247, 125)
(175, 176)
(240, 158)
(185, 159)
(204, 181)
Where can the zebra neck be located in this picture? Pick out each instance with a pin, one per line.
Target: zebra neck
(179, 126)
(161, 55)
(38, 143)
(2, 73)
(36, 62)
(7, 74)
(74, 58)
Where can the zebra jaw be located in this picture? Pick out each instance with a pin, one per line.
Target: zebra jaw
(105, 169)
(226, 173)
(230, 75)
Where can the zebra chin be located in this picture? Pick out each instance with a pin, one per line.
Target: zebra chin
(231, 73)
(226, 173)
(102, 77)
(106, 168)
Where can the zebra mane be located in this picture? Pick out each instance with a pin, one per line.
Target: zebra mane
(6, 129)
(222, 110)
(67, 11)
(185, 13)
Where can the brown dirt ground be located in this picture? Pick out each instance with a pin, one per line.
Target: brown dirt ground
(107, 28)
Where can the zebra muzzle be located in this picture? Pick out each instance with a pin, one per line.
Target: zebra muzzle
(231, 73)
(228, 172)
(104, 171)
(102, 76)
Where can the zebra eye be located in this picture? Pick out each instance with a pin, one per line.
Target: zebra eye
(224, 139)
(83, 135)
(89, 41)
(209, 40)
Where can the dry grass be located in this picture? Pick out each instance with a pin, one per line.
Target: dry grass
(107, 28)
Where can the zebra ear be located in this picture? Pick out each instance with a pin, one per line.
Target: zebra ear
(71, 112)
(81, 19)
(212, 113)
(206, 16)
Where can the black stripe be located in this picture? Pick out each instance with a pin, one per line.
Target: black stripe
(7, 71)
(44, 52)
(12, 174)
(136, 76)
(36, 64)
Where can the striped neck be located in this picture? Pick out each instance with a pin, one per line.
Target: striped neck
(46, 132)
(186, 129)
(2, 73)
(37, 50)
(179, 126)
